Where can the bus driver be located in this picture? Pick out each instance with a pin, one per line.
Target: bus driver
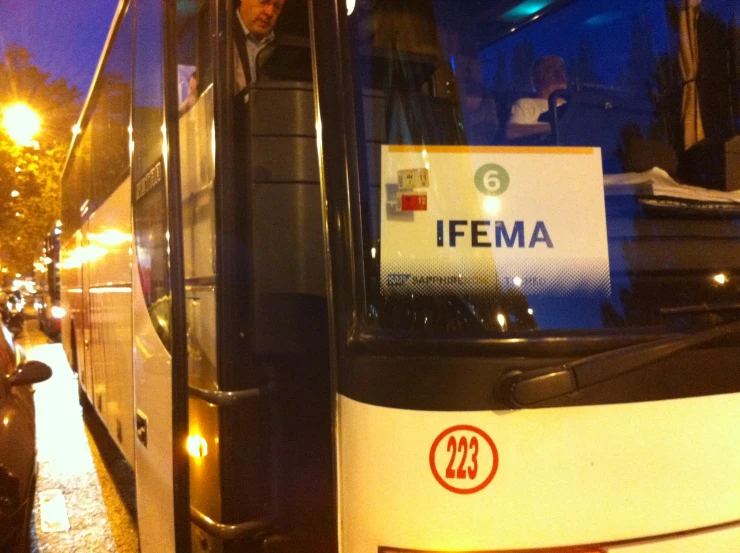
(253, 32)
(548, 76)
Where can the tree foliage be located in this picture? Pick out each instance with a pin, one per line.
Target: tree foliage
(33, 172)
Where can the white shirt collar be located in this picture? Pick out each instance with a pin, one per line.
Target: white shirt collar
(267, 38)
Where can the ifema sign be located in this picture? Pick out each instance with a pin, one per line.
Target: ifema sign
(488, 220)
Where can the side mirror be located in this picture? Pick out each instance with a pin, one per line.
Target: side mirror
(30, 372)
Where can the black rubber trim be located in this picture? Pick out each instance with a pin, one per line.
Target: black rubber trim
(340, 229)
(179, 330)
(536, 344)
(425, 383)
(467, 383)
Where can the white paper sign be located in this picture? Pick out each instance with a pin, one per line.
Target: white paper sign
(487, 220)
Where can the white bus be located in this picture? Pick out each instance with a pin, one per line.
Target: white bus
(445, 277)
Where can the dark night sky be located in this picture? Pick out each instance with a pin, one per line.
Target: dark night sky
(65, 37)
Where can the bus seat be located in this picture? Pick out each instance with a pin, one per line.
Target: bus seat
(288, 58)
(598, 118)
(504, 101)
(293, 19)
(286, 242)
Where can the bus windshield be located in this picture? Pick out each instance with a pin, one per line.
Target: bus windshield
(548, 166)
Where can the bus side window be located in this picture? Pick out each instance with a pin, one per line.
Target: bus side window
(197, 173)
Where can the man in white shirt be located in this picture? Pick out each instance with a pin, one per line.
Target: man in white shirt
(548, 76)
(255, 29)
(192, 97)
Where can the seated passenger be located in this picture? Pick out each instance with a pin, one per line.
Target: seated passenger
(253, 32)
(192, 96)
(479, 115)
(548, 76)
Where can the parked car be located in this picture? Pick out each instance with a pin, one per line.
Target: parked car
(12, 312)
(18, 467)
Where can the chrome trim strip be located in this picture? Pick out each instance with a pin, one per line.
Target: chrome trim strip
(112, 289)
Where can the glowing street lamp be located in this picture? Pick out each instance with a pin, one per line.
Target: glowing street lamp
(21, 123)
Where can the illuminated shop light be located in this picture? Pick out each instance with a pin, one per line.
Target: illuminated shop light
(58, 312)
(501, 321)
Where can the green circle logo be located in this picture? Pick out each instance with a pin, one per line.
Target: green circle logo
(492, 180)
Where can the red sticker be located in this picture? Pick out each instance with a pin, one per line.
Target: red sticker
(464, 459)
(413, 202)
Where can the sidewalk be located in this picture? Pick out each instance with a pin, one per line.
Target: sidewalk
(70, 460)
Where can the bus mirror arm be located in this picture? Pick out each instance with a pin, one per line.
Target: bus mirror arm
(517, 389)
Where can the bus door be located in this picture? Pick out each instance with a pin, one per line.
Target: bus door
(529, 333)
(159, 366)
(257, 334)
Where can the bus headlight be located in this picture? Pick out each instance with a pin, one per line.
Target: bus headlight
(58, 312)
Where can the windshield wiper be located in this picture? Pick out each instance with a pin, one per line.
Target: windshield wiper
(699, 308)
(518, 389)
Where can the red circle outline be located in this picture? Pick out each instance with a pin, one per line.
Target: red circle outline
(433, 465)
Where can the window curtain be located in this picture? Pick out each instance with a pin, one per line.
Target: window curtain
(689, 64)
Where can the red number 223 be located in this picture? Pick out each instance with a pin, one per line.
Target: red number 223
(462, 447)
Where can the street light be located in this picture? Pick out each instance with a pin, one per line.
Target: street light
(21, 123)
